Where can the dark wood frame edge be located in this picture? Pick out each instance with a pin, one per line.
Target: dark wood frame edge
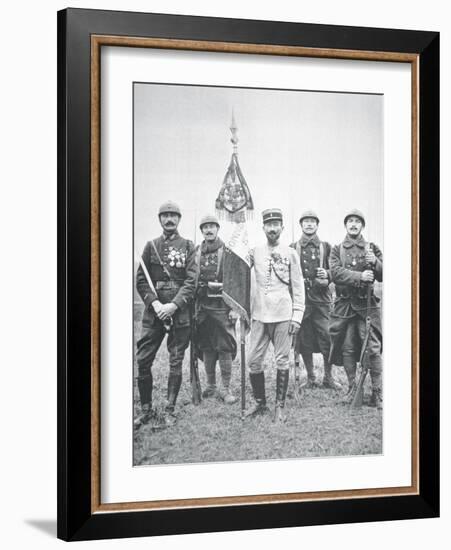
(76, 519)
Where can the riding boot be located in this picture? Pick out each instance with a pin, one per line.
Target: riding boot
(225, 364)
(308, 362)
(174, 383)
(145, 384)
(376, 381)
(281, 392)
(210, 358)
(329, 380)
(258, 388)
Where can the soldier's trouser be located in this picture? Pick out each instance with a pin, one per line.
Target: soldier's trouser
(352, 344)
(148, 346)
(261, 335)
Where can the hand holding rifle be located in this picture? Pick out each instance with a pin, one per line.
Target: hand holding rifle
(321, 273)
(367, 276)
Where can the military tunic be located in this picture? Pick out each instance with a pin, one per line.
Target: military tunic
(313, 335)
(214, 330)
(174, 280)
(278, 300)
(347, 324)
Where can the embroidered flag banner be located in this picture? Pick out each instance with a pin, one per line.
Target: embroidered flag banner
(234, 205)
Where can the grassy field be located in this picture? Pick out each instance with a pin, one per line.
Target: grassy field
(214, 432)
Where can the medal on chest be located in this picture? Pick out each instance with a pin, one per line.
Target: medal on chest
(281, 266)
(176, 257)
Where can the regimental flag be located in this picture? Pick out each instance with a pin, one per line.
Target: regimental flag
(234, 196)
(234, 205)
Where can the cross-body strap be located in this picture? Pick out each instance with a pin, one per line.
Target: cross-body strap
(321, 254)
(197, 262)
(298, 248)
(220, 254)
(342, 255)
(279, 277)
(163, 267)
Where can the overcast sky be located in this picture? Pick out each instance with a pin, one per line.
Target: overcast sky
(297, 150)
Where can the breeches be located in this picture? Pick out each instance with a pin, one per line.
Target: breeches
(150, 342)
(261, 335)
(354, 336)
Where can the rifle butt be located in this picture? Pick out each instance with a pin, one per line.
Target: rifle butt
(357, 400)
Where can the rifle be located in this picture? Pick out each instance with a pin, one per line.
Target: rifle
(196, 390)
(355, 395)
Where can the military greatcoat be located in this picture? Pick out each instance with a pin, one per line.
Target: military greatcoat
(214, 330)
(313, 335)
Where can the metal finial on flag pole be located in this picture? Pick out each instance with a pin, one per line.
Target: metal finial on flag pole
(234, 130)
(234, 201)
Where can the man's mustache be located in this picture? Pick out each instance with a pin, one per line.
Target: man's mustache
(168, 224)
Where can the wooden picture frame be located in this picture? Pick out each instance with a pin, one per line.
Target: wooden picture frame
(81, 35)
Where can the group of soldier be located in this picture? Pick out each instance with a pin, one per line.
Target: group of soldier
(293, 306)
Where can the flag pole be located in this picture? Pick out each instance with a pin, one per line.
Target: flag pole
(296, 360)
(234, 204)
(242, 334)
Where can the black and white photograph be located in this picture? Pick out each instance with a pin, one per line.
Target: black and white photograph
(225, 248)
(257, 264)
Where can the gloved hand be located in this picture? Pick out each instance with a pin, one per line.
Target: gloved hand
(167, 311)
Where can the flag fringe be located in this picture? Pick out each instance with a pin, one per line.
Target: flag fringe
(236, 217)
(238, 308)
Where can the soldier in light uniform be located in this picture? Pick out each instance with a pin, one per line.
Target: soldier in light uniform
(313, 335)
(354, 265)
(278, 306)
(170, 262)
(215, 334)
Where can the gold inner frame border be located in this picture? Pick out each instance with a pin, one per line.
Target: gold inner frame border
(97, 41)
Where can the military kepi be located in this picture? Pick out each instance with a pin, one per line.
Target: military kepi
(169, 207)
(309, 214)
(272, 214)
(355, 213)
(209, 218)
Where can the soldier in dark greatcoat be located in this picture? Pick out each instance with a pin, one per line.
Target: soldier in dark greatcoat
(170, 263)
(313, 335)
(215, 333)
(355, 264)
